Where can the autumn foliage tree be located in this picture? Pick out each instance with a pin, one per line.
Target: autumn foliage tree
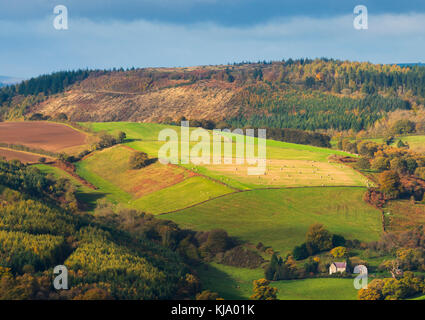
(318, 238)
(390, 185)
(263, 290)
(138, 160)
(339, 252)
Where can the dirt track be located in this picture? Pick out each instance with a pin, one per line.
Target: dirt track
(41, 135)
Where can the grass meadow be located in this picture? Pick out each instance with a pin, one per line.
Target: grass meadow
(281, 217)
(236, 283)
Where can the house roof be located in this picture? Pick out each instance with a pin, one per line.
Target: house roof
(340, 264)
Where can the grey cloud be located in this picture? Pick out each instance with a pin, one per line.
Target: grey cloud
(34, 47)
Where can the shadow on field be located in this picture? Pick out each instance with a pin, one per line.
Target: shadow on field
(131, 140)
(218, 281)
(89, 200)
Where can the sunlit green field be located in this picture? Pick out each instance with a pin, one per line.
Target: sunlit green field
(280, 218)
(236, 283)
(155, 189)
(300, 187)
(189, 192)
(288, 164)
(415, 142)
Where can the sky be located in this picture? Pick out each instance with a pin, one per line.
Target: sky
(174, 33)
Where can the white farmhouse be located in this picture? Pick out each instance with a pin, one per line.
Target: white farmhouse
(337, 267)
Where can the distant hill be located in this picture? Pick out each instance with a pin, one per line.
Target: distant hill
(5, 80)
(303, 94)
(419, 64)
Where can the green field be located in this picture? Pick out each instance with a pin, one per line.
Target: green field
(189, 192)
(288, 164)
(281, 217)
(416, 142)
(301, 187)
(84, 193)
(236, 284)
(155, 189)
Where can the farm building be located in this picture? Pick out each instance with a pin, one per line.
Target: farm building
(337, 267)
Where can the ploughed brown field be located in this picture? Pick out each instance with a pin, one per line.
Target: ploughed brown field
(48, 136)
(24, 157)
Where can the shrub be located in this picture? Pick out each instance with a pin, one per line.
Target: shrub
(420, 172)
(339, 252)
(404, 127)
(207, 295)
(318, 238)
(262, 290)
(300, 252)
(363, 164)
(380, 164)
(138, 160)
(242, 258)
(62, 117)
(338, 240)
(390, 184)
(311, 266)
(217, 241)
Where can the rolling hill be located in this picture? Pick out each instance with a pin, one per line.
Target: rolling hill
(303, 94)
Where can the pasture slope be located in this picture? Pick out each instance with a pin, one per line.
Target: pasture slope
(156, 188)
(301, 186)
(277, 213)
(415, 142)
(281, 217)
(236, 284)
(288, 165)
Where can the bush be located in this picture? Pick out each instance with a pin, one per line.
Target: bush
(300, 252)
(38, 117)
(122, 136)
(262, 290)
(420, 172)
(337, 240)
(380, 164)
(311, 266)
(217, 241)
(138, 160)
(318, 238)
(207, 295)
(404, 127)
(62, 117)
(363, 164)
(390, 184)
(339, 252)
(242, 258)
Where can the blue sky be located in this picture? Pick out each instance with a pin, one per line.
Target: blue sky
(145, 33)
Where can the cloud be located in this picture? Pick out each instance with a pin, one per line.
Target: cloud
(224, 12)
(35, 47)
